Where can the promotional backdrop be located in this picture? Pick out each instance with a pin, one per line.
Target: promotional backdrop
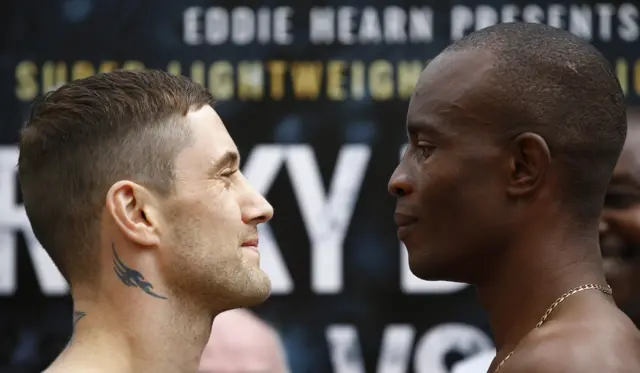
(316, 98)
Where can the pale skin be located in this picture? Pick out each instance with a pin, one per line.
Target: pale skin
(198, 250)
(242, 343)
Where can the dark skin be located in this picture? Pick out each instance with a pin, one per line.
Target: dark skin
(620, 228)
(474, 206)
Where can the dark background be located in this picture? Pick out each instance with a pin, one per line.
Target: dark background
(34, 326)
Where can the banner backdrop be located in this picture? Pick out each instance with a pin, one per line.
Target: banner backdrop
(316, 98)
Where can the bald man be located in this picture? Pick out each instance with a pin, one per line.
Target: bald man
(514, 132)
(242, 343)
(619, 237)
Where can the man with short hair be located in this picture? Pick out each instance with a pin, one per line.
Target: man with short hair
(514, 132)
(242, 343)
(619, 238)
(131, 183)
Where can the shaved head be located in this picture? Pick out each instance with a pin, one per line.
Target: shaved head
(548, 81)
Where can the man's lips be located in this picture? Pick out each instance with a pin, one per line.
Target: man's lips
(404, 222)
(250, 243)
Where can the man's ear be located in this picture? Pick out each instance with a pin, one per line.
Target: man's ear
(135, 211)
(530, 159)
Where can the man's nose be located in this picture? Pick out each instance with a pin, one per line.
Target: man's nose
(256, 209)
(399, 184)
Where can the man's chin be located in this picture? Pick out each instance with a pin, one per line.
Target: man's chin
(258, 288)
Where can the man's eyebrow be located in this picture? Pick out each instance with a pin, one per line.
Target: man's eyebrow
(230, 157)
(414, 127)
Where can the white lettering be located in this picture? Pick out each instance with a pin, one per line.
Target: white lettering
(370, 30)
(605, 12)
(421, 24)
(243, 25)
(397, 342)
(261, 169)
(13, 218)
(346, 355)
(264, 25)
(581, 21)
(533, 14)
(485, 16)
(345, 24)
(461, 21)
(327, 216)
(432, 348)
(191, 34)
(216, 25)
(282, 25)
(628, 15)
(510, 13)
(395, 20)
(556, 16)
(321, 25)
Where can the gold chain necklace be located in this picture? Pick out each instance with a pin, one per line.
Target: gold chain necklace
(605, 289)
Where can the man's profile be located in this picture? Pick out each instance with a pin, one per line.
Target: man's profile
(131, 183)
(514, 132)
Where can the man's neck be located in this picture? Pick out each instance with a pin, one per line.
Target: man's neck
(527, 279)
(145, 335)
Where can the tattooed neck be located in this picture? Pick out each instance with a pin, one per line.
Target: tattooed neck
(77, 315)
(131, 277)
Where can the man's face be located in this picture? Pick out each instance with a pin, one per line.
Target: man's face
(450, 200)
(620, 228)
(211, 245)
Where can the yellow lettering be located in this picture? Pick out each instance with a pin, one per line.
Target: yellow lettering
(335, 75)
(81, 70)
(276, 79)
(221, 80)
(622, 73)
(46, 76)
(107, 66)
(53, 75)
(306, 79)
(197, 72)
(636, 77)
(381, 80)
(133, 65)
(174, 68)
(357, 80)
(26, 83)
(250, 80)
(408, 75)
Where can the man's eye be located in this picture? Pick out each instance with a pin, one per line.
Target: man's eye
(424, 149)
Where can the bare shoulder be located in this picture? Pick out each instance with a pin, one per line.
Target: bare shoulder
(611, 346)
(77, 366)
(70, 368)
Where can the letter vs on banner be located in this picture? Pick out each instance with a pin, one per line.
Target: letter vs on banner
(316, 98)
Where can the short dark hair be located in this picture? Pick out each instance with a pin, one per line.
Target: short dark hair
(88, 134)
(554, 83)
